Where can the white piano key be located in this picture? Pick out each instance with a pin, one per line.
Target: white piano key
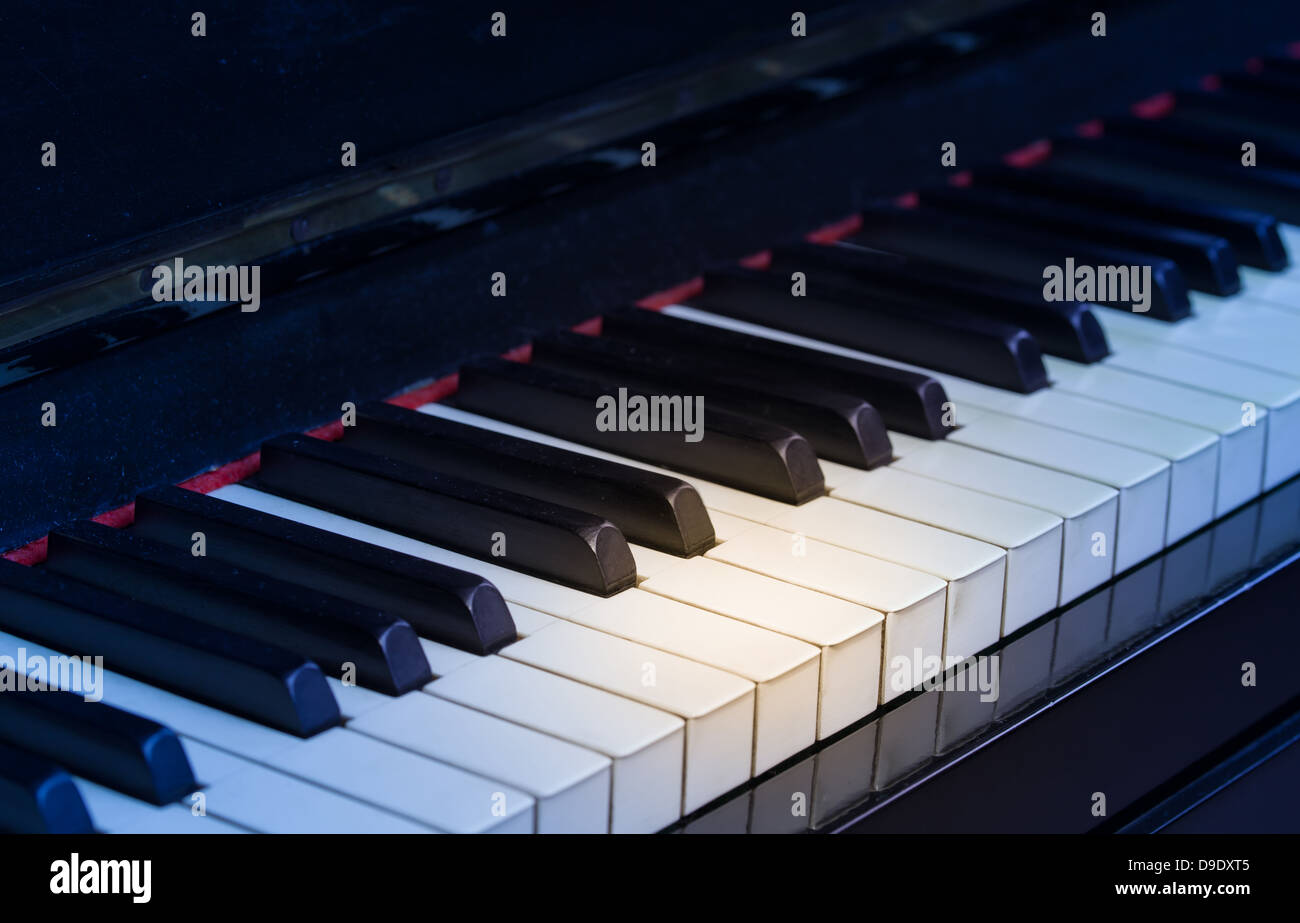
(528, 620)
(1290, 235)
(1249, 334)
(1142, 480)
(914, 604)
(569, 783)
(424, 790)
(267, 801)
(1030, 537)
(176, 818)
(650, 561)
(783, 669)
(726, 526)
(718, 497)
(974, 570)
(1278, 394)
(113, 812)
(1241, 448)
(354, 701)
(1277, 288)
(645, 744)
(210, 764)
(1193, 452)
(1087, 508)
(444, 658)
(718, 707)
(1243, 313)
(849, 636)
(240, 792)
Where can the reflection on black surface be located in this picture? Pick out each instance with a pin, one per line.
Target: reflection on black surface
(919, 734)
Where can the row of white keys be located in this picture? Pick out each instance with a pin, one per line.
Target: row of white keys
(1089, 510)
(848, 636)
(570, 784)
(976, 571)
(267, 801)
(1030, 538)
(113, 812)
(1277, 288)
(1141, 479)
(785, 671)
(914, 604)
(900, 587)
(432, 794)
(1191, 451)
(1255, 389)
(718, 708)
(642, 747)
(710, 700)
(1241, 440)
(1252, 334)
(646, 746)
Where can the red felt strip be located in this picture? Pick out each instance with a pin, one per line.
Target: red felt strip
(660, 300)
(1031, 155)
(1154, 107)
(592, 326)
(836, 230)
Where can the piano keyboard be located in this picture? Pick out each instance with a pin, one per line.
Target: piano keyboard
(492, 614)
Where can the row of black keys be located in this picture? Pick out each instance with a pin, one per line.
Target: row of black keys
(220, 630)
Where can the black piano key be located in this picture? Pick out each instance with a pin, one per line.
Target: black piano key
(1253, 235)
(331, 631)
(1264, 86)
(36, 796)
(1246, 116)
(909, 402)
(441, 603)
(1062, 328)
(973, 347)
(1272, 149)
(1172, 171)
(738, 451)
(115, 748)
(231, 672)
(840, 427)
(1270, 64)
(1208, 262)
(997, 249)
(551, 541)
(653, 509)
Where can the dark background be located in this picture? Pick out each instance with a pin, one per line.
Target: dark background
(155, 127)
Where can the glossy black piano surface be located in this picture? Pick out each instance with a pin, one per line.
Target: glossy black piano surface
(340, 574)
